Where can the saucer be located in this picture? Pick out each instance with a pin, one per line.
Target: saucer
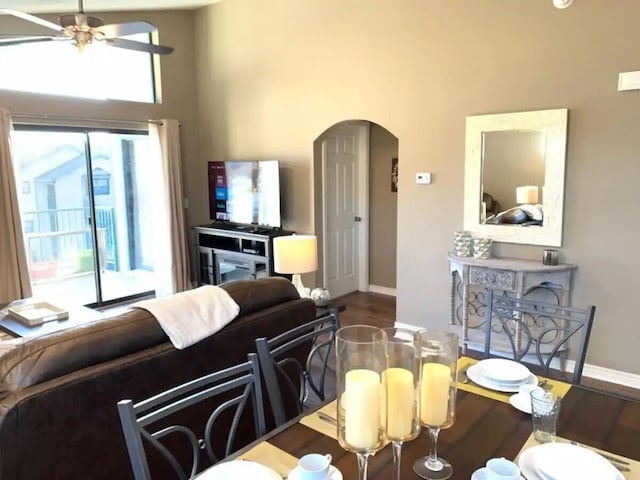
(521, 401)
(481, 474)
(334, 474)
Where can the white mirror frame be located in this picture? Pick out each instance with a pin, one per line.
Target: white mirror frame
(554, 124)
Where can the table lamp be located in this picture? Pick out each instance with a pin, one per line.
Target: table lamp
(296, 254)
(527, 194)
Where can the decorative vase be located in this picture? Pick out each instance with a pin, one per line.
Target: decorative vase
(462, 244)
(482, 248)
(320, 297)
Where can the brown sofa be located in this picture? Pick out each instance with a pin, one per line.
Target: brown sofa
(58, 393)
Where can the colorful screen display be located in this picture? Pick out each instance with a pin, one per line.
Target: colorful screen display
(245, 192)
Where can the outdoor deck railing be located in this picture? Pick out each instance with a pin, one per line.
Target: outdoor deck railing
(63, 236)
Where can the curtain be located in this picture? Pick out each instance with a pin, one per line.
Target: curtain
(14, 272)
(171, 262)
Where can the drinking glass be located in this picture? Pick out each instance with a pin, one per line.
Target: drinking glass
(401, 385)
(360, 361)
(438, 350)
(545, 409)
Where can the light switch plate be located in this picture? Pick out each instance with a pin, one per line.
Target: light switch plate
(629, 81)
(423, 178)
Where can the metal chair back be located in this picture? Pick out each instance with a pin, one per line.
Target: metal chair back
(140, 420)
(286, 375)
(540, 333)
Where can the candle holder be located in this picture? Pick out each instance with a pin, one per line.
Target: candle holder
(401, 386)
(438, 350)
(360, 361)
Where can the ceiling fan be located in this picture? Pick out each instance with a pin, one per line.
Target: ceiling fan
(82, 29)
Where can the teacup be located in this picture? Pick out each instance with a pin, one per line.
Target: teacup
(502, 469)
(314, 466)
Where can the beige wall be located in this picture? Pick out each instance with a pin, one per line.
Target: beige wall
(178, 88)
(274, 74)
(383, 207)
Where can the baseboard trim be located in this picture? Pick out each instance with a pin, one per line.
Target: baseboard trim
(612, 376)
(592, 371)
(382, 290)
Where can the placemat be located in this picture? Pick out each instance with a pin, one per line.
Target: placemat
(271, 456)
(634, 465)
(465, 362)
(315, 422)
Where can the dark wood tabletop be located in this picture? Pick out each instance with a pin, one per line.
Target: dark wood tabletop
(484, 428)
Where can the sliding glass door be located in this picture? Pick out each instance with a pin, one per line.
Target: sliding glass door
(86, 212)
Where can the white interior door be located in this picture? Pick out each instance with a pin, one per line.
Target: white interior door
(342, 149)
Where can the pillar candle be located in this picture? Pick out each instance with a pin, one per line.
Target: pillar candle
(434, 398)
(362, 409)
(399, 405)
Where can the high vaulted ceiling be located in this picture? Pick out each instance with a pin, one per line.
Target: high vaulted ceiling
(71, 6)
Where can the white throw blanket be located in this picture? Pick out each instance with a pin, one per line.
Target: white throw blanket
(188, 317)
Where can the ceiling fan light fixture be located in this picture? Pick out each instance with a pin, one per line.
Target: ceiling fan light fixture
(562, 4)
(82, 29)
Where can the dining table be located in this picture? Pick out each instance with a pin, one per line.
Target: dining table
(486, 426)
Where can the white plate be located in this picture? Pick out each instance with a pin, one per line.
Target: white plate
(334, 474)
(481, 474)
(503, 371)
(475, 375)
(564, 461)
(521, 402)
(525, 462)
(237, 469)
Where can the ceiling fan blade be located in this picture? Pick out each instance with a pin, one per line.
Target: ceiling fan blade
(129, 28)
(4, 42)
(141, 47)
(32, 18)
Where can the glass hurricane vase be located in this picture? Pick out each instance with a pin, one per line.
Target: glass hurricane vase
(401, 390)
(438, 351)
(360, 363)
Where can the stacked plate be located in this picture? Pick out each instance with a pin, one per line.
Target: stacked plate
(564, 461)
(501, 375)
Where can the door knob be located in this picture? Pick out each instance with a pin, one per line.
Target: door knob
(357, 219)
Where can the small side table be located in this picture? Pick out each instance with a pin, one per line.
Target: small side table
(331, 308)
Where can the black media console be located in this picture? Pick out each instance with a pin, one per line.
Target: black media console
(230, 251)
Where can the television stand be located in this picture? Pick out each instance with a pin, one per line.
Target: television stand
(228, 251)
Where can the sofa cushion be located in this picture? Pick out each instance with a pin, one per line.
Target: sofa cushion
(43, 358)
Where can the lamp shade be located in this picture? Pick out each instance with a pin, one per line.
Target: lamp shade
(295, 254)
(527, 194)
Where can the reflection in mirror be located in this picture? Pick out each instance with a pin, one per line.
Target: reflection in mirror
(514, 176)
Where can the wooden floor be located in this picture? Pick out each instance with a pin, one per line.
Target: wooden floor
(380, 311)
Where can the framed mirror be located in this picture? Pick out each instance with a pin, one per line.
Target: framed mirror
(514, 176)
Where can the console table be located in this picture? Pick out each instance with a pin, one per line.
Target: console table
(508, 275)
(228, 251)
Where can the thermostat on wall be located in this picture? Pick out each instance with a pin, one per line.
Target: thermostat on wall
(423, 178)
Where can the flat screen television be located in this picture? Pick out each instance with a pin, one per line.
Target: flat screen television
(246, 192)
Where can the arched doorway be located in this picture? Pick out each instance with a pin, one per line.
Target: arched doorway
(356, 208)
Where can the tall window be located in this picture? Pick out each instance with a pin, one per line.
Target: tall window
(99, 72)
(87, 214)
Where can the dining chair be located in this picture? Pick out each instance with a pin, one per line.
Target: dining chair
(286, 378)
(551, 336)
(145, 423)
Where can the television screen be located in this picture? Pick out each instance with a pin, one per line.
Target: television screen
(245, 192)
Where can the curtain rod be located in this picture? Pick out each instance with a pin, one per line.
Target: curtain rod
(80, 119)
